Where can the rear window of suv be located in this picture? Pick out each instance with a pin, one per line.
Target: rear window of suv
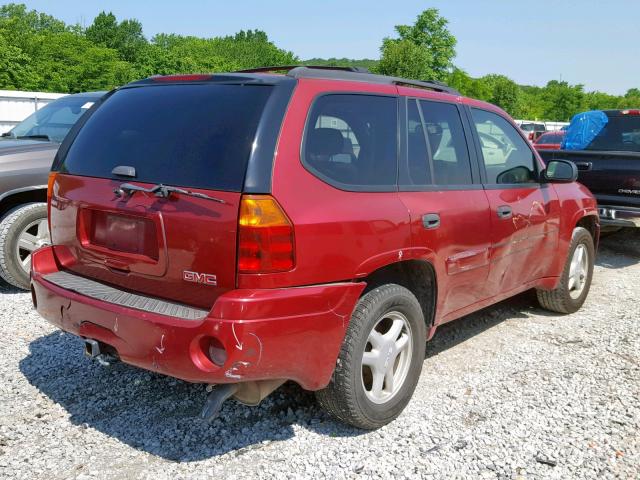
(197, 136)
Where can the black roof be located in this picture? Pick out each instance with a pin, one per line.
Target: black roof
(355, 74)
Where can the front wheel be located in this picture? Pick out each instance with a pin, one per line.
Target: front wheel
(575, 282)
(380, 361)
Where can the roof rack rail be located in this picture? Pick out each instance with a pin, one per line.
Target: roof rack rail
(351, 73)
(347, 73)
(287, 68)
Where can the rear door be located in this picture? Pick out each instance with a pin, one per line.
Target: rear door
(524, 213)
(172, 245)
(449, 210)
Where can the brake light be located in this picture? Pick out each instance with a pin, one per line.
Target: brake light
(631, 112)
(531, 136)
(198, 77)
(265, 236)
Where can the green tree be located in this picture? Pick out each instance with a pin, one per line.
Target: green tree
(403, 58)
(504, 92)
(16, 71)
(425, 48)
(126, 37)
(561, 101)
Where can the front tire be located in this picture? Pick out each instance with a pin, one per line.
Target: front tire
(23, 230)
(575, 282)
(380, 361)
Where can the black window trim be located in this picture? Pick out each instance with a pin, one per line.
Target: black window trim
(480, 159)
(476, 183)
(339, 185)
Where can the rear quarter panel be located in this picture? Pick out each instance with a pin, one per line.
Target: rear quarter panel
(339, 235)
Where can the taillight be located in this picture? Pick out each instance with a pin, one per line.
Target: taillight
(52, 179)
(265, 236)
(631, 112)
(50, 182)
(531, 136)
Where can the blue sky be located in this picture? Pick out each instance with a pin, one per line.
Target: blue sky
(581, 41)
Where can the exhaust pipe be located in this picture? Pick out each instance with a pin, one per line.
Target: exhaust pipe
(93, 350)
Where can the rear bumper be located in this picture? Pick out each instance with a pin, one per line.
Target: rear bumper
(612, 216)
(290, 333)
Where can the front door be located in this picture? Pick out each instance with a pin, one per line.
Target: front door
(524, 212)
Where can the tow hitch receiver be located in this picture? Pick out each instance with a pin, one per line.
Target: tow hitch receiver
(216, 398)
(92, 350)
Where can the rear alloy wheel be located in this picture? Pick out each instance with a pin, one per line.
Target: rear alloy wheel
(22, 231)
(575, 282)
(380, 361)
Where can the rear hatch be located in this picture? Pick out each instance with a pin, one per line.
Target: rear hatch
(174, 243)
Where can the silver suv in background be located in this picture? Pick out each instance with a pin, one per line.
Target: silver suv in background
(26, 155)
(533, 130)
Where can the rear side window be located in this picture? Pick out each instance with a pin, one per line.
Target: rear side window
(351, 141)
(196, 136)
(619, 134)
(447, 143)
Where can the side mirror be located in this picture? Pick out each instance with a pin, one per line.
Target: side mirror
(519, 174)
(560, 171)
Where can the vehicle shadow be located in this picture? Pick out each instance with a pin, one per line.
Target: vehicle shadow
(620, 249)
(159, 415)
(459, 331)
(5, 288)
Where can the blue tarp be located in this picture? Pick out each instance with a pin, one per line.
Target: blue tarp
(583, 129)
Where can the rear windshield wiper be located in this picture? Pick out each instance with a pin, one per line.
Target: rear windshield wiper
(35, 137)
(160, 190)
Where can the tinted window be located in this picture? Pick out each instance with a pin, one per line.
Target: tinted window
(55, 119)
(351, 140)
(446, 143)
(507, 156)
(550, 138)
(620, 133)
(186, 135)
(417, 156)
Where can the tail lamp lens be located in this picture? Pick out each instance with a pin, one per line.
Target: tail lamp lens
(52, 179)
(265, 236)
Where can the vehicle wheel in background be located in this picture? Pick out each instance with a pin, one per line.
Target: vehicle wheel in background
(380, 361)
(22, 230)
(576, 276)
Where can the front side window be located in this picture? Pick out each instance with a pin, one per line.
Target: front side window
(351, 141)
(506, 155)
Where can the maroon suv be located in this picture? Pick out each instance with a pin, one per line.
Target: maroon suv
(250, 228)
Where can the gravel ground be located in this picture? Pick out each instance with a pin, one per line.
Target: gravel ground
(509, 392)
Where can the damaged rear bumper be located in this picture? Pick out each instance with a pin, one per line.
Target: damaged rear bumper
(289, 333)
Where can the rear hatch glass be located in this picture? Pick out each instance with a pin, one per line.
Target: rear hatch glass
(178, 246)
(183, 135)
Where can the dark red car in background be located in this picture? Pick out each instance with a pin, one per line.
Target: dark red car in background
(249, 228)
(549, 140)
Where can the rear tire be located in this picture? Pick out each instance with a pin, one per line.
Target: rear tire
(575, 281)
(386, 341)
(26, 223)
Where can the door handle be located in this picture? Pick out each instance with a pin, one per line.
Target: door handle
(584, 165)
(431, 220)
(504, 211)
